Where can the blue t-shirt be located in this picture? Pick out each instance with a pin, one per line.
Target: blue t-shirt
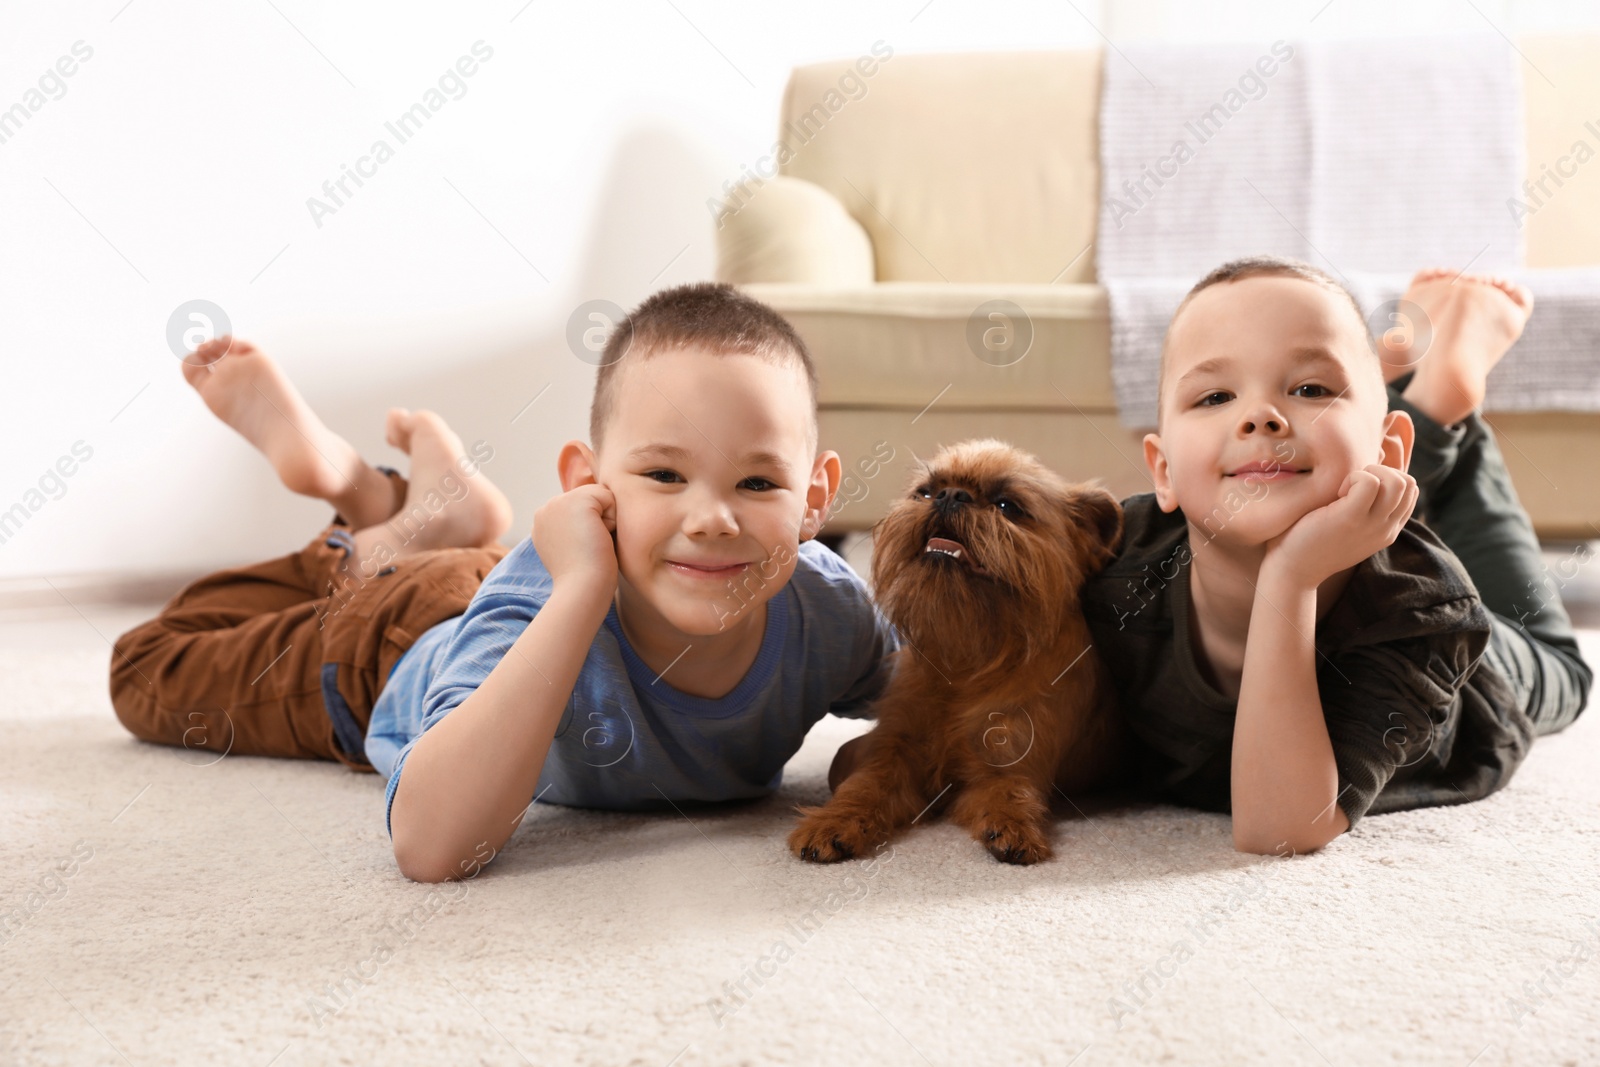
(628, 740)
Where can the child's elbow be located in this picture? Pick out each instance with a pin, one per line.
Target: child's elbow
(418, 858)
(1277, 845)
(1291, 837)
(428, 863)
(421, 868)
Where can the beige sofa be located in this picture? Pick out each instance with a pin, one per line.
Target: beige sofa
(912, 190)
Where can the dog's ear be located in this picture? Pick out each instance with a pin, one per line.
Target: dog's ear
(1100, 516)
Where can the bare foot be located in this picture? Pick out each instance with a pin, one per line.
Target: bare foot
(444, 507)
(247, 390)
(1475, 319)
(1406, 341)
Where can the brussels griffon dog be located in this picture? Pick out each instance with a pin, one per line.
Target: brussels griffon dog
(997, 698)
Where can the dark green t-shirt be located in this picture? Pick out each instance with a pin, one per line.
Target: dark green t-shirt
(1416, 717)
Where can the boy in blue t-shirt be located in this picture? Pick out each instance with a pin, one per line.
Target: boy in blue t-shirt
(668, 633)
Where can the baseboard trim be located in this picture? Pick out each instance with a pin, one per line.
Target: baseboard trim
(94, 589)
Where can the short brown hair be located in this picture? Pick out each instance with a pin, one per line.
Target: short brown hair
(710, 315)
(1263, 266)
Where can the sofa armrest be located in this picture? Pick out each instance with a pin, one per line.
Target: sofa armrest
(789, 230)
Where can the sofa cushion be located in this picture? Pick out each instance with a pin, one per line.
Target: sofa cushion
(788, 230)
(1561, 86)
(900, 344)
(962, 168)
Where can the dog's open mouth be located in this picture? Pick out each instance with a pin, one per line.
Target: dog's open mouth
(955, 550)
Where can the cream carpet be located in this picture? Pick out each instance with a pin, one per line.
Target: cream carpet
(161, 909)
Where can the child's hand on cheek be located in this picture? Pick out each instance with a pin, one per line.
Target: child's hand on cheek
(1373, 504)
(572, 533)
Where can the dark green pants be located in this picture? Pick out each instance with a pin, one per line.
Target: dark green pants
(1466, 497)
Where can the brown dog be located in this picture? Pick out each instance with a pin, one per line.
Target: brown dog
(998, 698)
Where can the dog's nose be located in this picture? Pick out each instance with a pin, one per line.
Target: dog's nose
(950, 498)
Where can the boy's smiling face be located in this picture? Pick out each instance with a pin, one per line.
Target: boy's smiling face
(713, 463)
(1271, 396)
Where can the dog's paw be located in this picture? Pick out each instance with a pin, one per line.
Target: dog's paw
(1015, 842)
(826, 837)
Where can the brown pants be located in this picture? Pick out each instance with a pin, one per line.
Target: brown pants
(287, 657)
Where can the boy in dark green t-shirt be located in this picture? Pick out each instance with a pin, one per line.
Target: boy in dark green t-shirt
(1288, 642)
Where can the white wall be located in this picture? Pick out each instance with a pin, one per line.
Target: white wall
(179, 160)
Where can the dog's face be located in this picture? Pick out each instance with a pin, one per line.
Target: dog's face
(979, 562)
